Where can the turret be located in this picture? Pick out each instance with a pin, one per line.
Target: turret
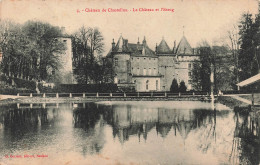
(113, 45)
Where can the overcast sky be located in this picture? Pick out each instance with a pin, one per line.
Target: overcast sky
(202, 19)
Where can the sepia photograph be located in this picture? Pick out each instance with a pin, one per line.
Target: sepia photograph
(129, 82)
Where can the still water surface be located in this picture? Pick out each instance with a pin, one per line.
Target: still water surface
(170, 132)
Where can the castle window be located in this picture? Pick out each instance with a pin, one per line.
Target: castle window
(144, 71)
(189, 66)
(189, 81)
(150, 71)
(116, 62)
(64, 40)
(156, 84)
(144, 58)
(189, 73)
(147, 84)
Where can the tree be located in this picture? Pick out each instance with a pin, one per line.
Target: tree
(182, 87)
(224, 75)
(44, 48)
(233, 35)
(201, 70)
(88, 46)
(174, 86)
(31, 50)
(248, 58)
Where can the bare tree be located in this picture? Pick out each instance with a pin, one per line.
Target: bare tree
(87, 46)
(233, 35)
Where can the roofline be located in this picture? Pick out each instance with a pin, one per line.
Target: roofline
(144, 56)
(188, 55)
(141, 76)
(165, 54)
(249, 81)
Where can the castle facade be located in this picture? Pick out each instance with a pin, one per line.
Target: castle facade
(136, 65)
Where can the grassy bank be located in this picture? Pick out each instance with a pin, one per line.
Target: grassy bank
(95, 99)
(231, 102)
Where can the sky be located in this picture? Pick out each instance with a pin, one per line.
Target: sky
(198, 20)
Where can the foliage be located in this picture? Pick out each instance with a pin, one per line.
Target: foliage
(201, 70)
(31, 50)
(80, 88)
(174, 87)
(224, 73)
(249, 58)
(196, 76)
(87, 46)
(14, 91)
(182, 87)
(20, 83)
(220, 57)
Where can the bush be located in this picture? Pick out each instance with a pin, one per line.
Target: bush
(79, 88)
(182, 87)
(28, 84)
(174, 87)
(14, 91)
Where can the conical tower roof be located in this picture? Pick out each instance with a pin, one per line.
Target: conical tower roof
(163, 48)
(119, 44)
(184, 47)
(122, 45)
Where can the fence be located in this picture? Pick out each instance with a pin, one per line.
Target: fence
(114, 95)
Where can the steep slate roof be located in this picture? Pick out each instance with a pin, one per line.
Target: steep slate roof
(140, 50)
(135, 49)
(184, 47)
(163, 48)
(121, 45)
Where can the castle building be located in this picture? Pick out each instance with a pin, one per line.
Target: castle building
(138, 66)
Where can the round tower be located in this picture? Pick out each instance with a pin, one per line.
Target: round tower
(121, 62)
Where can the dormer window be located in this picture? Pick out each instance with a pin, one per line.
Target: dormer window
(116, 62)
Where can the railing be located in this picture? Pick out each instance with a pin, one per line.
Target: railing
(113, 95)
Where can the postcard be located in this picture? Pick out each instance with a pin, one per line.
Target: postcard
(129, 82)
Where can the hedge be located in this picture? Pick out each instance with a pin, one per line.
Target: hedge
(79, 88)
(14, 91)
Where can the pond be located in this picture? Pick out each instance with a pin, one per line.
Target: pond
(137, 132)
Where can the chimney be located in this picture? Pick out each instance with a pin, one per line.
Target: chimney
(113, 45)
(144, 41)
(138, 43)
(174, 46)
(126, 42)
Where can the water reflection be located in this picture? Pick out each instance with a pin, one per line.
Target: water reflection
(246, 142)
(91, 129)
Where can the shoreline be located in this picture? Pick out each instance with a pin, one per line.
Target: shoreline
(226, 100)
(97, 99)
